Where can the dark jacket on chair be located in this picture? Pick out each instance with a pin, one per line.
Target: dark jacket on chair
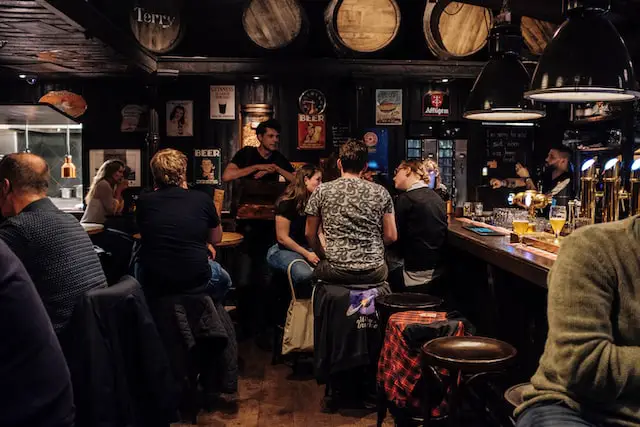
(187, 322)
(120, 372)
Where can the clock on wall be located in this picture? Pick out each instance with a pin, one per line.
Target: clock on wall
(312, 102)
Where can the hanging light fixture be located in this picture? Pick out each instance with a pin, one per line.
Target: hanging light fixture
(497, 94)
(587, 60)
(68, 169)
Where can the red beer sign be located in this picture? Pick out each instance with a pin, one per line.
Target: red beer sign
(435, 104)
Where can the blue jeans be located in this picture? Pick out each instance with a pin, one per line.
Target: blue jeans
(552, 414)
(301, 272)
(217, 286)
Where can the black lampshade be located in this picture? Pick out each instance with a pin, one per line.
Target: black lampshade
(586, 61)
(498, 93)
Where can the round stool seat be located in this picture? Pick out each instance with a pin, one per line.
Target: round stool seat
(405, 301)
(514, 395)
(469, 354)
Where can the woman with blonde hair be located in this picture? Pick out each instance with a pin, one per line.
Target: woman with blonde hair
(290, 227)
(178, 227)
(435, 182)
(421, 216)
(105, 194)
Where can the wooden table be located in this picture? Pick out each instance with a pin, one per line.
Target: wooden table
(92, 228)
(229, 239)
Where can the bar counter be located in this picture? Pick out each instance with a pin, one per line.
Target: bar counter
(497, 251)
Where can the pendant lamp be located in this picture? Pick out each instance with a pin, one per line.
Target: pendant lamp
(498, 92)
(586, 61)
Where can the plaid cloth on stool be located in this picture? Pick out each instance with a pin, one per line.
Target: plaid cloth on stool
(399, 369)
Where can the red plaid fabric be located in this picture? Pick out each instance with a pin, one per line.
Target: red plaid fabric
(399, 369)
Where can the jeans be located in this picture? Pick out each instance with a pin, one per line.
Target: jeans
(552, 415)
(301, 272)
(217, 286)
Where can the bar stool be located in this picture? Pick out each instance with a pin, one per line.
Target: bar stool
(472, 356)
(403, 301)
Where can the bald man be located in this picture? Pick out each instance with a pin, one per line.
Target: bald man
(52, 245)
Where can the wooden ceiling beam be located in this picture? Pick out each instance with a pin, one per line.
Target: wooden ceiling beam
(87, 18)
(402, 68)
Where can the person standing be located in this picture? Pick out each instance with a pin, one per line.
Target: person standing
(52, 245)
(264, 162)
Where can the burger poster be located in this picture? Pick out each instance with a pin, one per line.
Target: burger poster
(389, 107)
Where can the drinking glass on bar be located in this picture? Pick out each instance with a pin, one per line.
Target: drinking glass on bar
(520, 223)
(557, 218)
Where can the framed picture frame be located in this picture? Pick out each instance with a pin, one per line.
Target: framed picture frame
(179, 118)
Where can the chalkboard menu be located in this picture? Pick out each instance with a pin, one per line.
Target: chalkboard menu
(340, 133)
(508, 146)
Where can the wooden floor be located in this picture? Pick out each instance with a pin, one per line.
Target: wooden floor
(271, 396)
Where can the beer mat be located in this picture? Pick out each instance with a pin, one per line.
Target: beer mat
(468, 221)
(535, 251)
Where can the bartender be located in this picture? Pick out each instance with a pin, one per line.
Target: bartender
(254, 296)
(556, 178)
(264, 162)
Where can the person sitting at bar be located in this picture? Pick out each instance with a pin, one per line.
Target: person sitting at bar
(105, 194)
(358, 221)
(589, 374)
(290, 225)
(264, 162)
(556, 178)
(421, 217)
(177, 228)
(36, 384)
(52, 245)
(435, 182)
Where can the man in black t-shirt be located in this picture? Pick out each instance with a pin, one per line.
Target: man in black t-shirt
(264, 162)
(178, 227)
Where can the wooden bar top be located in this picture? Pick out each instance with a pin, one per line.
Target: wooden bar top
(498, 251)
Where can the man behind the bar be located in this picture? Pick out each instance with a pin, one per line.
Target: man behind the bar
(556, 179)
(264, 162)
(358, 221)
(52, 245)
(589, 374)
(36, 384)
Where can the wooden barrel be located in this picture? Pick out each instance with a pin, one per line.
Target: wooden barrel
(537, 34)
(455, 30)
(156, 24)
(273, 24)
(362, 26)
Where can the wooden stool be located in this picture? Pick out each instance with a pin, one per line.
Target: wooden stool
(476, 356)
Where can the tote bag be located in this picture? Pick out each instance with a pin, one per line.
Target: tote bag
(298, 329)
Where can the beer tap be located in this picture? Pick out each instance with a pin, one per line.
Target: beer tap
(634, 188)
(588, 181)
(611, 191)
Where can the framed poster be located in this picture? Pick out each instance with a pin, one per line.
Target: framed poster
(311, 132)
(388, 107)
(206, 166)
(180, 118)
(435, 103)
(222, 102)
(131, 158)
(134, 118)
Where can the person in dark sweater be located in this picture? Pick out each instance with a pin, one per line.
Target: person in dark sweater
(178, 228)
(290, 224)
(52, 245)
(35, 385)
(421, 215)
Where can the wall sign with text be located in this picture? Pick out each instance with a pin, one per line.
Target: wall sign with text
(222, 104)
(435, 104)
(311, 122)
(206, 166)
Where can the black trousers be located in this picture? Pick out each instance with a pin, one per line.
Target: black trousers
(325, 272)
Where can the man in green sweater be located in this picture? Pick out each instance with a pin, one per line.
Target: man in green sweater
(589, 374)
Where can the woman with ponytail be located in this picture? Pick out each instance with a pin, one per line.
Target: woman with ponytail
(421, 216)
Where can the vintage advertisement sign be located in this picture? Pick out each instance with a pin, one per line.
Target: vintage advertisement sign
(388, 107)
(435, 103)
(180, 118)
(311, 132)
(222, 102)
(206, 166)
